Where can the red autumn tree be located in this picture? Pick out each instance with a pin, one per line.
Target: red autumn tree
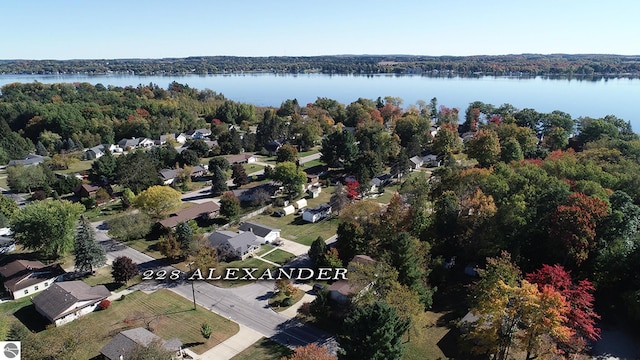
(575, 222)
(353, 187)
(311, 352)
(581, 316)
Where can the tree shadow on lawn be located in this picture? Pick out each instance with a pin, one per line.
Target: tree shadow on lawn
(31, 318)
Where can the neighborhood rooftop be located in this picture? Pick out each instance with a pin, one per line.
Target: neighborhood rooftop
(58, 300)
(203, 209)
(258, 229)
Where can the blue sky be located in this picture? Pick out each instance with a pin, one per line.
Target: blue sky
(90, 29)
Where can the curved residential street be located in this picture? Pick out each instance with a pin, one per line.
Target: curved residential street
(246, 305)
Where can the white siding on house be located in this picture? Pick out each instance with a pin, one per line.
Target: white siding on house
(74, 315)
(272, 236)
(34, 288)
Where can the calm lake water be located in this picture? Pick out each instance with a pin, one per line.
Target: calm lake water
(578, 97)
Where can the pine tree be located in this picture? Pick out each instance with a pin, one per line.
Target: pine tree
(88, 253)
(41, 150)
(377, 321)
(317, 252)
(218, 181)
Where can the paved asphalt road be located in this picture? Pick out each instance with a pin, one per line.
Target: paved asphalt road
(247, 305)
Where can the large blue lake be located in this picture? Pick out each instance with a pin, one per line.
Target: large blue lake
(578, 97)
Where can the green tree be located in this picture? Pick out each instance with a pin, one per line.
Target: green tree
(484, 147)
(8, 206)
(186, 237)
(158, 201)
(406, 257)
(104, 168)
(219, 161)
(447, 140)
(291, 177)
(229, 205)
(287, 153)
(123, 269)
(169, 246)
(239, 175)
(339, 149)
(136, 171)
(47, 226)
(218, 181)
(88, 253)
(188, 158)
(26, 178)
(511, 151)
(377, 321)
(317, 251)
(130, 226)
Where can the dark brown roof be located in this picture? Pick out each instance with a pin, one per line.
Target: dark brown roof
(62, 298)
(343, 287)
(191, 213)
(20, 274)
(239, 158)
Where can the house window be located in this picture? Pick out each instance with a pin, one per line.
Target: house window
(35, 287)
(26, 291)
(46, 284)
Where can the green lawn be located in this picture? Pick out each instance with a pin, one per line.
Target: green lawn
(251, 168)
(264, 349)
(248, 263)
(431, 340)
(149, 247)
(264, 249)
(79, 166)
(102, 276)
(279, 256)
(293, 228)
(310, 152)
(165, 313)
(312, 163)
(105, 212)
(277, 298)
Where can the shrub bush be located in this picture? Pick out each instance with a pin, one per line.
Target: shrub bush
(104, 304)
(286, 302)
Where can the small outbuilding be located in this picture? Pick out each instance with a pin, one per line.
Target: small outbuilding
(300, 204)
(288, 210)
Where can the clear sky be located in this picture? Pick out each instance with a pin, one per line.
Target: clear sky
(98, 29)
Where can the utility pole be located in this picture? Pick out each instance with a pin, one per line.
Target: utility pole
(193, 290)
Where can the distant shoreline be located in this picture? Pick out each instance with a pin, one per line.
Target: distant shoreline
(493, 65)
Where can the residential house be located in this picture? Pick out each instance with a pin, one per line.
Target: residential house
(198, 134)
(7, 244)
(273, 146)
(146, 143)
(266, 233)
(162, 139)
(379, 181)
(95, 152)
(125, 343)
(314, 191)
(128, 144)
(115, 149)
(434, 130)
(236, 245)
(25, 277)
(248, 195)
(242, 159)
(415, 163)
(317, 170)
(431, 160)
(29, 160)
(205, 210)
(86, 190)
(317, 213)
(66, 301)
(341, 290)
(198, 171)
(168, 176)
(181, 138)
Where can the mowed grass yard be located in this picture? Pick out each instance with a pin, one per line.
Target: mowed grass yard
(264, 349)
(165, 313)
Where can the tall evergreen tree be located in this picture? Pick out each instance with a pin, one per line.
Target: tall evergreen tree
(88, 253)
(218, 181)
(377, 321)
(317, 251)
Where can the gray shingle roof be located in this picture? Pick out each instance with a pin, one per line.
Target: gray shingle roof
(239, 242)
(58, 300)
(258, 229)
(126, 341)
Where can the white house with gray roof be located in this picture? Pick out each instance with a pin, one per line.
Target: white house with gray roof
(268, 234)
(240, 245)
(66, 301)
